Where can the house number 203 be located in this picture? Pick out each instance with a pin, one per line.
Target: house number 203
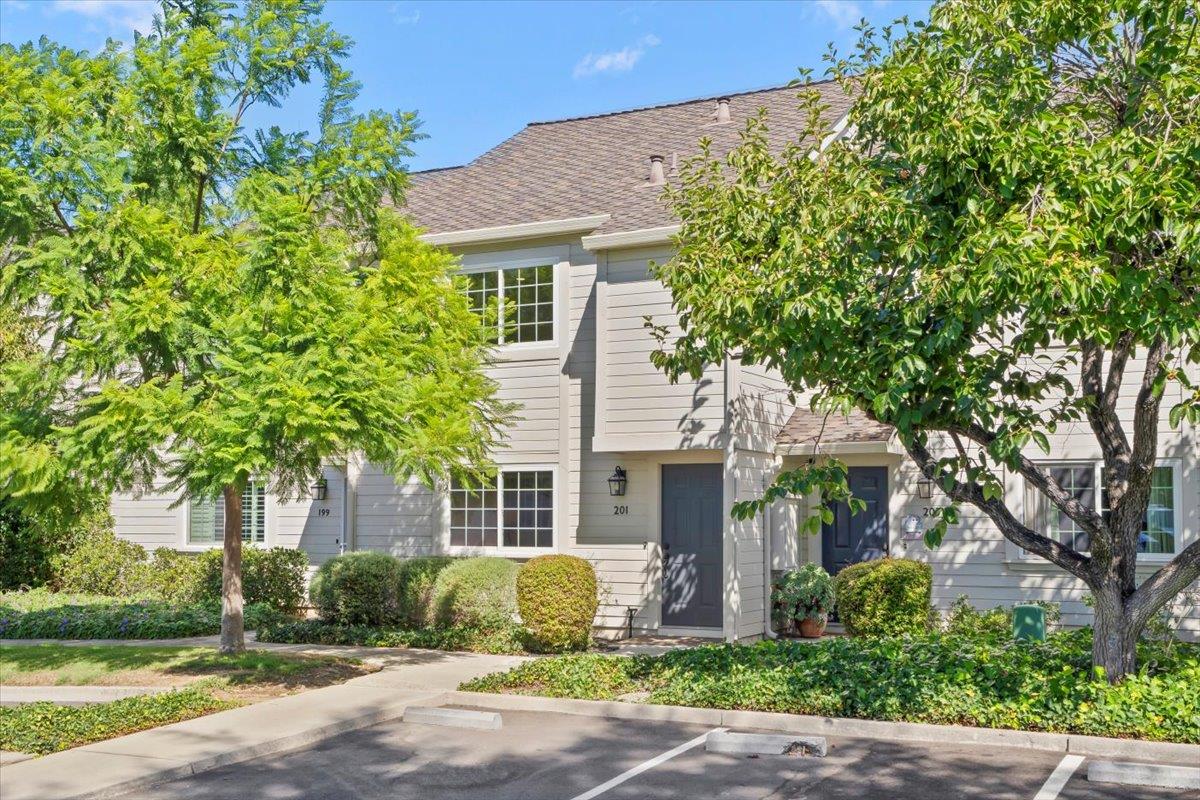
(620, 511)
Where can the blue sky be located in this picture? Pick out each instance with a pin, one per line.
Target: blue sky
(477, 72)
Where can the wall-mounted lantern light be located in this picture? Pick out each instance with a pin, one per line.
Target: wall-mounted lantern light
(617, 483)
(320, 489)
(925, 489)
(912, 527)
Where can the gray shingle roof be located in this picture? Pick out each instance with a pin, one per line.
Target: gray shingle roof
(596, 165)
(807, 427)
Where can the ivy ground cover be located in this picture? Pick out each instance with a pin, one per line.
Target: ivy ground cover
(993, 682)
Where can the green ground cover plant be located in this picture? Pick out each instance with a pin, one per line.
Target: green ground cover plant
(40, 614)
(497, 638)
(985, 680)
(41, 728)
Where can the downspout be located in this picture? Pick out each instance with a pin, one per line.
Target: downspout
(342, 544)
(768, 630)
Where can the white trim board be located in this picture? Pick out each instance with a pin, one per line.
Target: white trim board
(524, 230)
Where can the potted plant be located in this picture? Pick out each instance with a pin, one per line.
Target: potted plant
(804, 598)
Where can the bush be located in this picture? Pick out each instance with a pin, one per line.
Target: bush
(964, 620)
(932, 677)
(886, 597)
(358, 589)
(417, 576)
(509, 638)
(40, 614)
(104, 564)
(557, 598)
(178, 577)
(476, 592)
(274, 576)
(34, 544)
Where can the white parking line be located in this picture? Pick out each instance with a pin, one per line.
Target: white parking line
(1058, 779)
(644, 766)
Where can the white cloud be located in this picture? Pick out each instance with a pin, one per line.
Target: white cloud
(112, 16)
(402, 17)
(843, 13)
(621, 60)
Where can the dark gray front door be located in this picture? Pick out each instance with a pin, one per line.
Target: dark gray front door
(691, 542)
(863, 536)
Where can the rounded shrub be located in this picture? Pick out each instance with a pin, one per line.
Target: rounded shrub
(358, 589)
(417, 577)
(104, 564)
(557, 598)
(274, 576)
(476, 592)
(886, 597)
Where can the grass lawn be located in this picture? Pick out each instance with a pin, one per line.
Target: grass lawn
(204, 681)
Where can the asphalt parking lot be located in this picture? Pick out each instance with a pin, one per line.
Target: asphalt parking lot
(563, 757)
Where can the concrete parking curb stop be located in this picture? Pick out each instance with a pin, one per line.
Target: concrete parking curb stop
(1170, 777)
(453, 718)
(764, 744)
(1169, 752)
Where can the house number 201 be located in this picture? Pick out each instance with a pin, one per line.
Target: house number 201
(620, 510)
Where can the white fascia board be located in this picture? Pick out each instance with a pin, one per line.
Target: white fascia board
(638, 238)
(891, 447)
(524, 230)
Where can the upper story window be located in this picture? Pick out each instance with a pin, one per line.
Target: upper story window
(523, 298)
(1085, 482)
(206, 518)
(513, 509)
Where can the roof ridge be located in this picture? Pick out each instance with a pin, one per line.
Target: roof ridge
(672, 104)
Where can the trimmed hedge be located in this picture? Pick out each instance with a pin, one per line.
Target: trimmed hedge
(40, 614)
(886, 597)
(417, 577)
(500, 639)
(103, 564)
(557, 598)
(475, 592)
(935, 678)
(358, 589)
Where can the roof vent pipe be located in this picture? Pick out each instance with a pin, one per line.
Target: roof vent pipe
(722, 110)
(657, 176)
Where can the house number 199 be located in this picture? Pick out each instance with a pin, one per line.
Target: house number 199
(620, 510)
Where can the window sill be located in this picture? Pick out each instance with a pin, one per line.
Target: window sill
(541, 351)
(1146, 563)
(204, 548)
(502, 552)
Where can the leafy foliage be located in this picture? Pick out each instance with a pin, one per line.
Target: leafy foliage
(934, 677)
(105, 565)
(41, 728)
(497, 637)
(1005, 226)
(965, 620)
(476, 593)
(803, 593)
(885, 597)
(39, 614)
(34, 544)
(220, 303)
(417, 578)
(557, 598)
(358, 589)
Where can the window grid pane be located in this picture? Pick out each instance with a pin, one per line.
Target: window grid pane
(1158, 525)
(473, 517)
(1079, 482)
(528, 306)
(529, 508)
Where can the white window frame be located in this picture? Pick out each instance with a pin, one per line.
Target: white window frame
(522, 263)
(500, 549)
(1097, 466)
(185, 543)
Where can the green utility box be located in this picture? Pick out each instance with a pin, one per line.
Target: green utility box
(1029, 622)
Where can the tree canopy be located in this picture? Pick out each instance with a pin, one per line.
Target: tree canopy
(216, 304)
(1003, 245)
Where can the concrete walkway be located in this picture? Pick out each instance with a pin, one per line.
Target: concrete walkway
(72, 695)
(117, 766)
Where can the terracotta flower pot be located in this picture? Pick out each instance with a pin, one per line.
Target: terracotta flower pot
(812, 628)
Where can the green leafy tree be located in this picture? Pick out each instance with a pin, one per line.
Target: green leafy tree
(219, 305)
(1004, 246)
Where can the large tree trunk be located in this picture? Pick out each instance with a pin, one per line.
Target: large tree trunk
(1114, 635)
(233, 639)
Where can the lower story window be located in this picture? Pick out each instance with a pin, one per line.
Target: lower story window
(206, 518)
(513, 509)
(1085, 482)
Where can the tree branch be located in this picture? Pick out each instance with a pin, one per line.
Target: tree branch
(1169, 581)
(1010, 526)
(1100, 399)
(58, 213)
